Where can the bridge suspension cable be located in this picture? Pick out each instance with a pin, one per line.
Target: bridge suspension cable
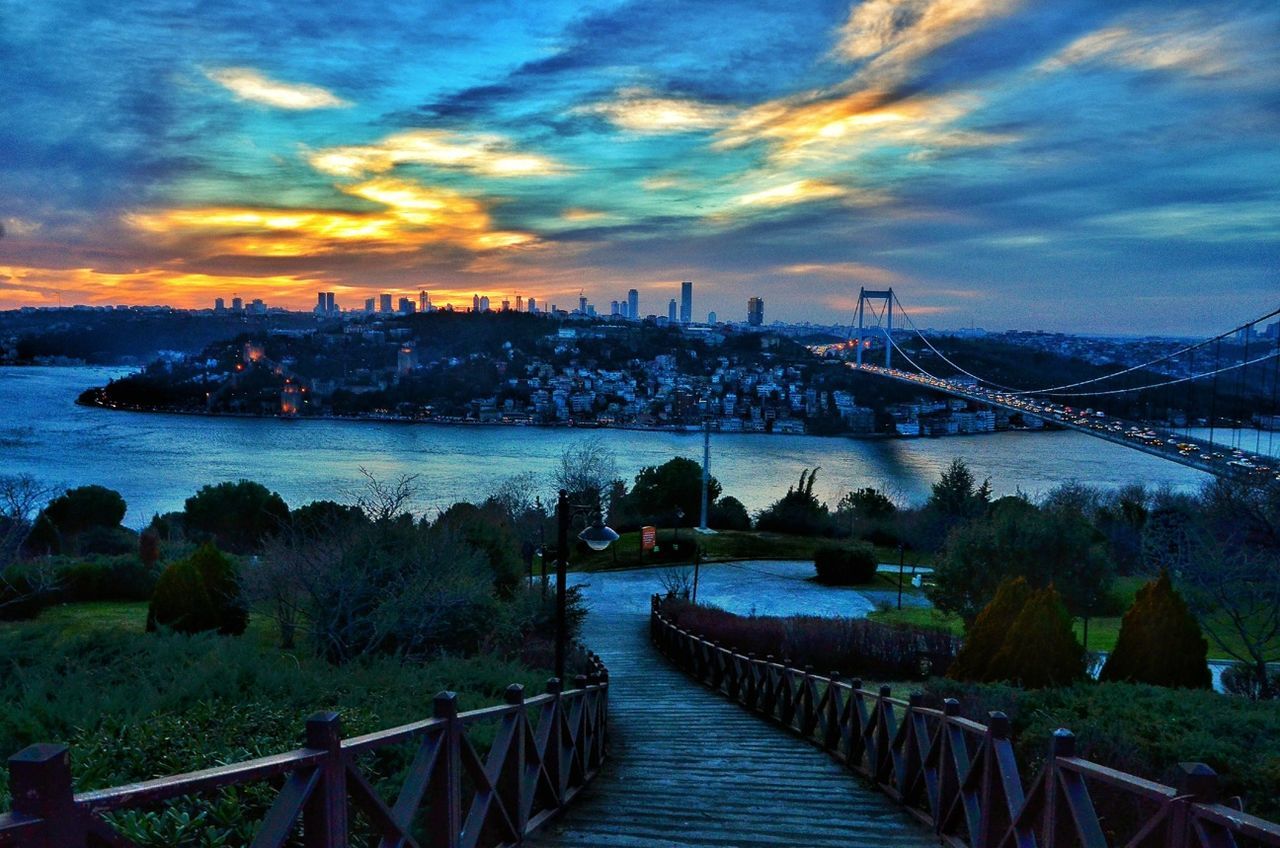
(1056, 390)
(1225, 368)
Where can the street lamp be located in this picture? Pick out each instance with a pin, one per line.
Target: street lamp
(679, 518)
(598, 537)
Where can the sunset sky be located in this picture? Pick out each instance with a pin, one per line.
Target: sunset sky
(1093, 166)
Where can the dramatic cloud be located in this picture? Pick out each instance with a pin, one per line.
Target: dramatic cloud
(483, 154)
(641, 110)
(248, 84)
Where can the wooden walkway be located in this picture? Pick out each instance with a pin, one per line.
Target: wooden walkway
(689, 768)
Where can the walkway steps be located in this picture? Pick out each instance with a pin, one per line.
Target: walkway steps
(689, 768)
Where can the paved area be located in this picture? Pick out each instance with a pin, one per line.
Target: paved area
(689, 768)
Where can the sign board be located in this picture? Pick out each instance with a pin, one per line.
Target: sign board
(648, 537)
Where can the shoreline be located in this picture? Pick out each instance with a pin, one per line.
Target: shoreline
(683, 430)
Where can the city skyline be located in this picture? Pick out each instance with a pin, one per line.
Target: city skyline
(1091, 166)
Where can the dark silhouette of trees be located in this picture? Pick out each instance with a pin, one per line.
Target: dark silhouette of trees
(238, 516)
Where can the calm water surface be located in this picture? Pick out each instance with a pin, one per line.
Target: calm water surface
(156, 461)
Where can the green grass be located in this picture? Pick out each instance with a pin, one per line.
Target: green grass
(721, 546)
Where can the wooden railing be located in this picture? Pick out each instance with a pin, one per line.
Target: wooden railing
(544, 750)
(960, 777)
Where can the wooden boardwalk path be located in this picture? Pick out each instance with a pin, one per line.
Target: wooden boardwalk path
(689, 768)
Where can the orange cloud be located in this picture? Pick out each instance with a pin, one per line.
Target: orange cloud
(152, 285)
(841, 270)
(641, 110)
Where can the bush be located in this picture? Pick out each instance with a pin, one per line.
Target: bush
(197, 594)
(1140, 729)
(1040, 649)
(798, 511)
(987, 635)
(108, 541)
(1160, 642)
(120, 578)
(1242, 680)
(845, 566)
(728, 513)
(852, 646)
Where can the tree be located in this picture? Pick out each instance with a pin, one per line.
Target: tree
(74, 513)
(662, 489)
(586, 471)
(986, 636)
(1040, 651)
(238, 516)
(20, 497)
(1160, 641)
(798, 511)
(1224, 555)
(728, 513)
(1047, 546)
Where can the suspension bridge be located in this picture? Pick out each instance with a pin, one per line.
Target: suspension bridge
(1249, 372)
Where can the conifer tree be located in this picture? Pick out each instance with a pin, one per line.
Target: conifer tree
(1040, 650)
(987, 635)
(1160, 641)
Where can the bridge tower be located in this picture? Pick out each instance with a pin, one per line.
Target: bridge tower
(886, 295)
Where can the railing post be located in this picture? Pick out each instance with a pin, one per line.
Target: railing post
(1061, 744)
(444, 792)
(512, 775)
(554, 759)
(325, 817)
(1197, 783)
(997, 731)
(40, 780)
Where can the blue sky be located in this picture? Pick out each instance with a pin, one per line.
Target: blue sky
(1091, 166)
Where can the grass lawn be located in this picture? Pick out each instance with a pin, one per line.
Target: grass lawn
(721, 546)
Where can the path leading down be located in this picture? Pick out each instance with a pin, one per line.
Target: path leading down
(689, 768)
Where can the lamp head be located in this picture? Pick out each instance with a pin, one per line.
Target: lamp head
(598, 536)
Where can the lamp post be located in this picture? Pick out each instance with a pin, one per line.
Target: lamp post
(901, 556)
(679, 518)
(598, 537)
(706, 461)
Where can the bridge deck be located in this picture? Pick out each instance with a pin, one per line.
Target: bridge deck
(688, 768)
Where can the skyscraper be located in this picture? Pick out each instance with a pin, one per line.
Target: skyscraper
(320, 307)
(484, 303)
(519, 303)
(582, 304)
(613, 308)
(368, 304)
(237, 304)
(424, 301)
(219, 305)
(755, 311)
(475, 303)
(711, 317)
(671, 310)
(406, 306)
(384, 303)
(686, 302)
(533, 305)
(633, 305)
(330, 305)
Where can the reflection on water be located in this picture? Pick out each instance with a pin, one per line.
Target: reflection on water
(156, 461)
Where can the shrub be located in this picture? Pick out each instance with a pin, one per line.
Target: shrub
(1242, 680)
(198, 593)
(108, 541)
(987, 635)
(728, 513)
(845, 566)
(1140, 729)
(120, 578)
(1160, 641)
(853, 646)
(1040, 649)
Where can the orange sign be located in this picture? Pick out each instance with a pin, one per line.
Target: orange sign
(648, 537)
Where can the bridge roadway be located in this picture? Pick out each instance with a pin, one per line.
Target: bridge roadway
(1261, 468)
(689, 768)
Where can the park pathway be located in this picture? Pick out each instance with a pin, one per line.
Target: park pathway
(689, 768)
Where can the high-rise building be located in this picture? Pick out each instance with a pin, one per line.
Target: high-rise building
(219, 305)
(671, 310)
(320, 307)
(384, 303)
(755, 311)
(368, 304)
(582, 304)
(686, 302)
(406, 306)
(424, 301)
(519, 303)
(533, 305)
(330, 304)
(484, 303)
(237, 304)
(257, 307)
(475, 303)
(711, 318)
(633, 305)
(506, 305)
(613, 309)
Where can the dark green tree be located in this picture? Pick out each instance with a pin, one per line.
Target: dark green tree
(1160, 641)
(728, 513)
(74, 513)
(489, 530)
(798, 511)
(675, 484)
(986, 636)
(238, 516)
(1040, 650)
